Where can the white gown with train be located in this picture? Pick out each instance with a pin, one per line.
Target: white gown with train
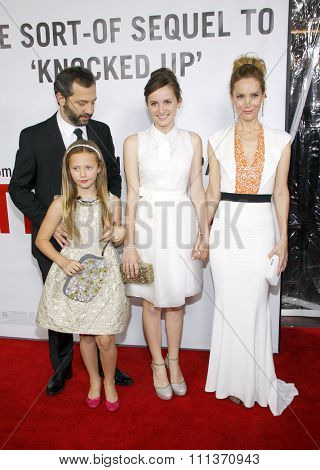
(242, 235)
(166, 225)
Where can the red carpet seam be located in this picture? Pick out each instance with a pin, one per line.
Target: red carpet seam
(218, 421)
(28, 411)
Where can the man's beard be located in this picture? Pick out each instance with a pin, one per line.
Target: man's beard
(74, 118)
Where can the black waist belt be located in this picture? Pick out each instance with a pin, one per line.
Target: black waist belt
(245, 197)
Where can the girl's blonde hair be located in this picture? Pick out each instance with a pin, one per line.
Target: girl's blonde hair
(248, 66)
(69, 191)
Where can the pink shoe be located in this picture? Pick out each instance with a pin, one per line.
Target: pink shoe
(112, 406)
(93, 402)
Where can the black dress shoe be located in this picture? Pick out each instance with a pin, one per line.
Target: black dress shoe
(55, 386)
(56, 383)
(69, 373)
(121, 378)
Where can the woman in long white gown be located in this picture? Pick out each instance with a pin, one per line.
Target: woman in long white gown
(163, 223)
(249, 164)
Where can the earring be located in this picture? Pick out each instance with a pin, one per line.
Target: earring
(234, 114)
(262, 113)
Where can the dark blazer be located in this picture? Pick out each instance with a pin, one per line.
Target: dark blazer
(36, 177)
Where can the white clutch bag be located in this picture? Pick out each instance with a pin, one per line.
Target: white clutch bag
(272, 270)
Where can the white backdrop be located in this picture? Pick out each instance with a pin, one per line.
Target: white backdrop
(122, 42)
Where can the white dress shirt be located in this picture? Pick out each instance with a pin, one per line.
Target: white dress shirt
(67, 129)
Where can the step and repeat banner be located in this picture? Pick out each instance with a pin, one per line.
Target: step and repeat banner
(122, 42)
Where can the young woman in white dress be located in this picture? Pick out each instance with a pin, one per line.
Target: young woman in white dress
(249, 164)
(165, 227)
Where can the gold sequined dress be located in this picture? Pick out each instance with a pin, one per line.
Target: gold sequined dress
(108, 312)
(242, 235)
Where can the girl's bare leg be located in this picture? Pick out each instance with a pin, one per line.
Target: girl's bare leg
(174, 323)
(89, 355)
(151, 318)
(108, 356)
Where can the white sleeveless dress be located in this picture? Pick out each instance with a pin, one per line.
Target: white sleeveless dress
(166, 224)
(242, 235)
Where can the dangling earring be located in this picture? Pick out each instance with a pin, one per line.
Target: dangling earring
(234, 114)
(262, 113)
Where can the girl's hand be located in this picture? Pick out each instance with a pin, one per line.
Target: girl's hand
(281, 249)
(107, 235)
(114, 234)
(201, 248)
(118, 234)
(71, 266)
(61, 235)
(130, 262)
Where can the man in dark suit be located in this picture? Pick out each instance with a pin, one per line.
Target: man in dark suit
(36, 179)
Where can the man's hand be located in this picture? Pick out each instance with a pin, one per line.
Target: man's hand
(62, 236)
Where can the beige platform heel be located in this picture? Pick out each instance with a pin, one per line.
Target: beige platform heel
(179, 389)
(165, 393)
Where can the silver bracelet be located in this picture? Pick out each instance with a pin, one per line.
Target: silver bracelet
(129, 247)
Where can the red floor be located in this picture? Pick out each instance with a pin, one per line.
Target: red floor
(30, 420)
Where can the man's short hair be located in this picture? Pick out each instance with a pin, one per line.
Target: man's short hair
(65, 79)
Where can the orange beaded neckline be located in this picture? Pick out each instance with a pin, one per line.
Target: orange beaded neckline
(248, 176)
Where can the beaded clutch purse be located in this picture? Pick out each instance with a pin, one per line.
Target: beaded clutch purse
(145, 275)
(84, 286)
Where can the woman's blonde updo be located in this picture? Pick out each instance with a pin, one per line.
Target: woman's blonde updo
(247, 66)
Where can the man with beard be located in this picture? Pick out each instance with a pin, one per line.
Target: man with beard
(36, 180)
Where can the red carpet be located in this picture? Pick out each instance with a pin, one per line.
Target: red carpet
(30, 420)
